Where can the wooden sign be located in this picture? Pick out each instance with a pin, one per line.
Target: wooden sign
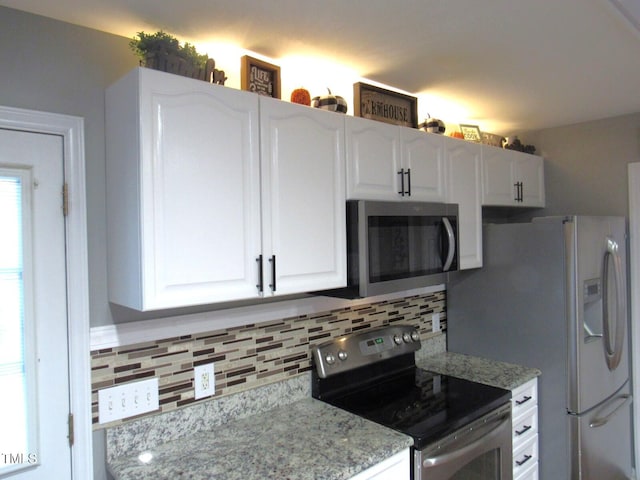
(260, 77)
(385, 105)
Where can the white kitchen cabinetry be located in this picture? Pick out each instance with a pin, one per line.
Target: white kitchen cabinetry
(397, 467)
(464, 188)
(511, 178)
(388, 162)
(524, 408)
(303, 198)
(184, 200)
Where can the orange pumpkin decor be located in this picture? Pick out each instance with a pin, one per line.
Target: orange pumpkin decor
(457, 134)
(301, 96)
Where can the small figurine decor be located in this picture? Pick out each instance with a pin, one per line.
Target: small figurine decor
(301, 96)
(514, 143)
(162, 51)
(433, 125)
(330, 102)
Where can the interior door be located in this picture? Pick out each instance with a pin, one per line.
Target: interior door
(600, 356)
(34, 369)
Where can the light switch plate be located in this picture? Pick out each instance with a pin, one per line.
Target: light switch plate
(128, 400)
(204, 381)
(435, 322)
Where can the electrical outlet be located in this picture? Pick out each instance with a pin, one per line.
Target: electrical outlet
(127, 400)
(435, 322)
(204, 381)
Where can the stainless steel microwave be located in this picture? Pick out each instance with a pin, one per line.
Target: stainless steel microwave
(396, 246)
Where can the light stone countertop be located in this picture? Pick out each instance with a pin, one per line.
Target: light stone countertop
(278, 431)
(307, 439)
(490, 372)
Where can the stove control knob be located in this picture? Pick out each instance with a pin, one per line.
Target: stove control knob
(415, 336)
(342, 355)
(406, 337)
(397, 339)
(330, 359)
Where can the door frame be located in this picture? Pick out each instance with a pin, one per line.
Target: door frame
(71, 129)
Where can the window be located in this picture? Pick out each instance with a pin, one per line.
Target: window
(17, 366)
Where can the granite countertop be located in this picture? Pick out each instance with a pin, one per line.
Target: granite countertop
(490, 372)
(307, 439)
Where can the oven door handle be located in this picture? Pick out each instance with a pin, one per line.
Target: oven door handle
(472, 443)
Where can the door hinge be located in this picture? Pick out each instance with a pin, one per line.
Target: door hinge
(71, 432)
(65, 199)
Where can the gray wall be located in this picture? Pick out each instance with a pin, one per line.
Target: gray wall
(586, 165)
(57, 67)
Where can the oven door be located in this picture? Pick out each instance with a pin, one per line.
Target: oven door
(481, 450)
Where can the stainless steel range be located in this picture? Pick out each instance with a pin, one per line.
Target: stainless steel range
(461, 429)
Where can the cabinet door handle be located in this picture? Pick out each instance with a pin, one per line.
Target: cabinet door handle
(260, 285)
(524, 460)
(272, 285)
(525, 399)
(524, 430)
(401, 173)
(408, 182)
(521, 192)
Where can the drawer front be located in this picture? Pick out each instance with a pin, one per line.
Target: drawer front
(530, 474)
(524, 397)
(525, 426)
(525, 456)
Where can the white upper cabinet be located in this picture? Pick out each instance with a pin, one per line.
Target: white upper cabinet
(511, 178)
(187, 220)
(464, 188)
(183, 191)
(303, 198)
(387, 162)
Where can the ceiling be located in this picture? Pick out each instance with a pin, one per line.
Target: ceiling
(509, 65)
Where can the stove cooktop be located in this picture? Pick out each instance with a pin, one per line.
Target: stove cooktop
(422, 404)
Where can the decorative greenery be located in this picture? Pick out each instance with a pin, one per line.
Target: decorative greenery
(162, 43)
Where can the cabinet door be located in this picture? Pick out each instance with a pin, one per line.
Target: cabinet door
(397, 467)
(200, 192)
(373, 160)
(498, 182)
(529, 169)
(422, 155)
(464, 188)
(304, 224)
(183, 192)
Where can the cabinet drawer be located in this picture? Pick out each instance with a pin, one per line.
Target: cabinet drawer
(525, 455)
(530, 474)
(524, 397)
(525, 426)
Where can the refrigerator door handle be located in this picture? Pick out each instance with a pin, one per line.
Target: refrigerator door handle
(601, 421)
(613, 352)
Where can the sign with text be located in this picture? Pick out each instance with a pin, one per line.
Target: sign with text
(385, 105)
(260, 77)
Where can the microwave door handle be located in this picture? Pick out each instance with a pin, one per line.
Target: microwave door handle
(451, 239)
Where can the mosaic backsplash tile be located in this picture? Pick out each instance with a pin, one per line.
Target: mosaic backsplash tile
(252, 355)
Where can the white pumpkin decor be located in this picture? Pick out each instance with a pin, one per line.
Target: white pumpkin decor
(432, 125)
(331, 103)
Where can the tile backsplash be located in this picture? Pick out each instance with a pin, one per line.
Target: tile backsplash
(252, 355)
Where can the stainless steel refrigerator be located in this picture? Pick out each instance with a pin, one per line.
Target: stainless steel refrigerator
(552, 295)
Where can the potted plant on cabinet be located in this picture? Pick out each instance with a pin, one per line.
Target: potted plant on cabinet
(162, 51)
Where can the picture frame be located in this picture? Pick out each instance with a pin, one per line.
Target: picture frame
(471, 133)
(260, 77)
(384, 105)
